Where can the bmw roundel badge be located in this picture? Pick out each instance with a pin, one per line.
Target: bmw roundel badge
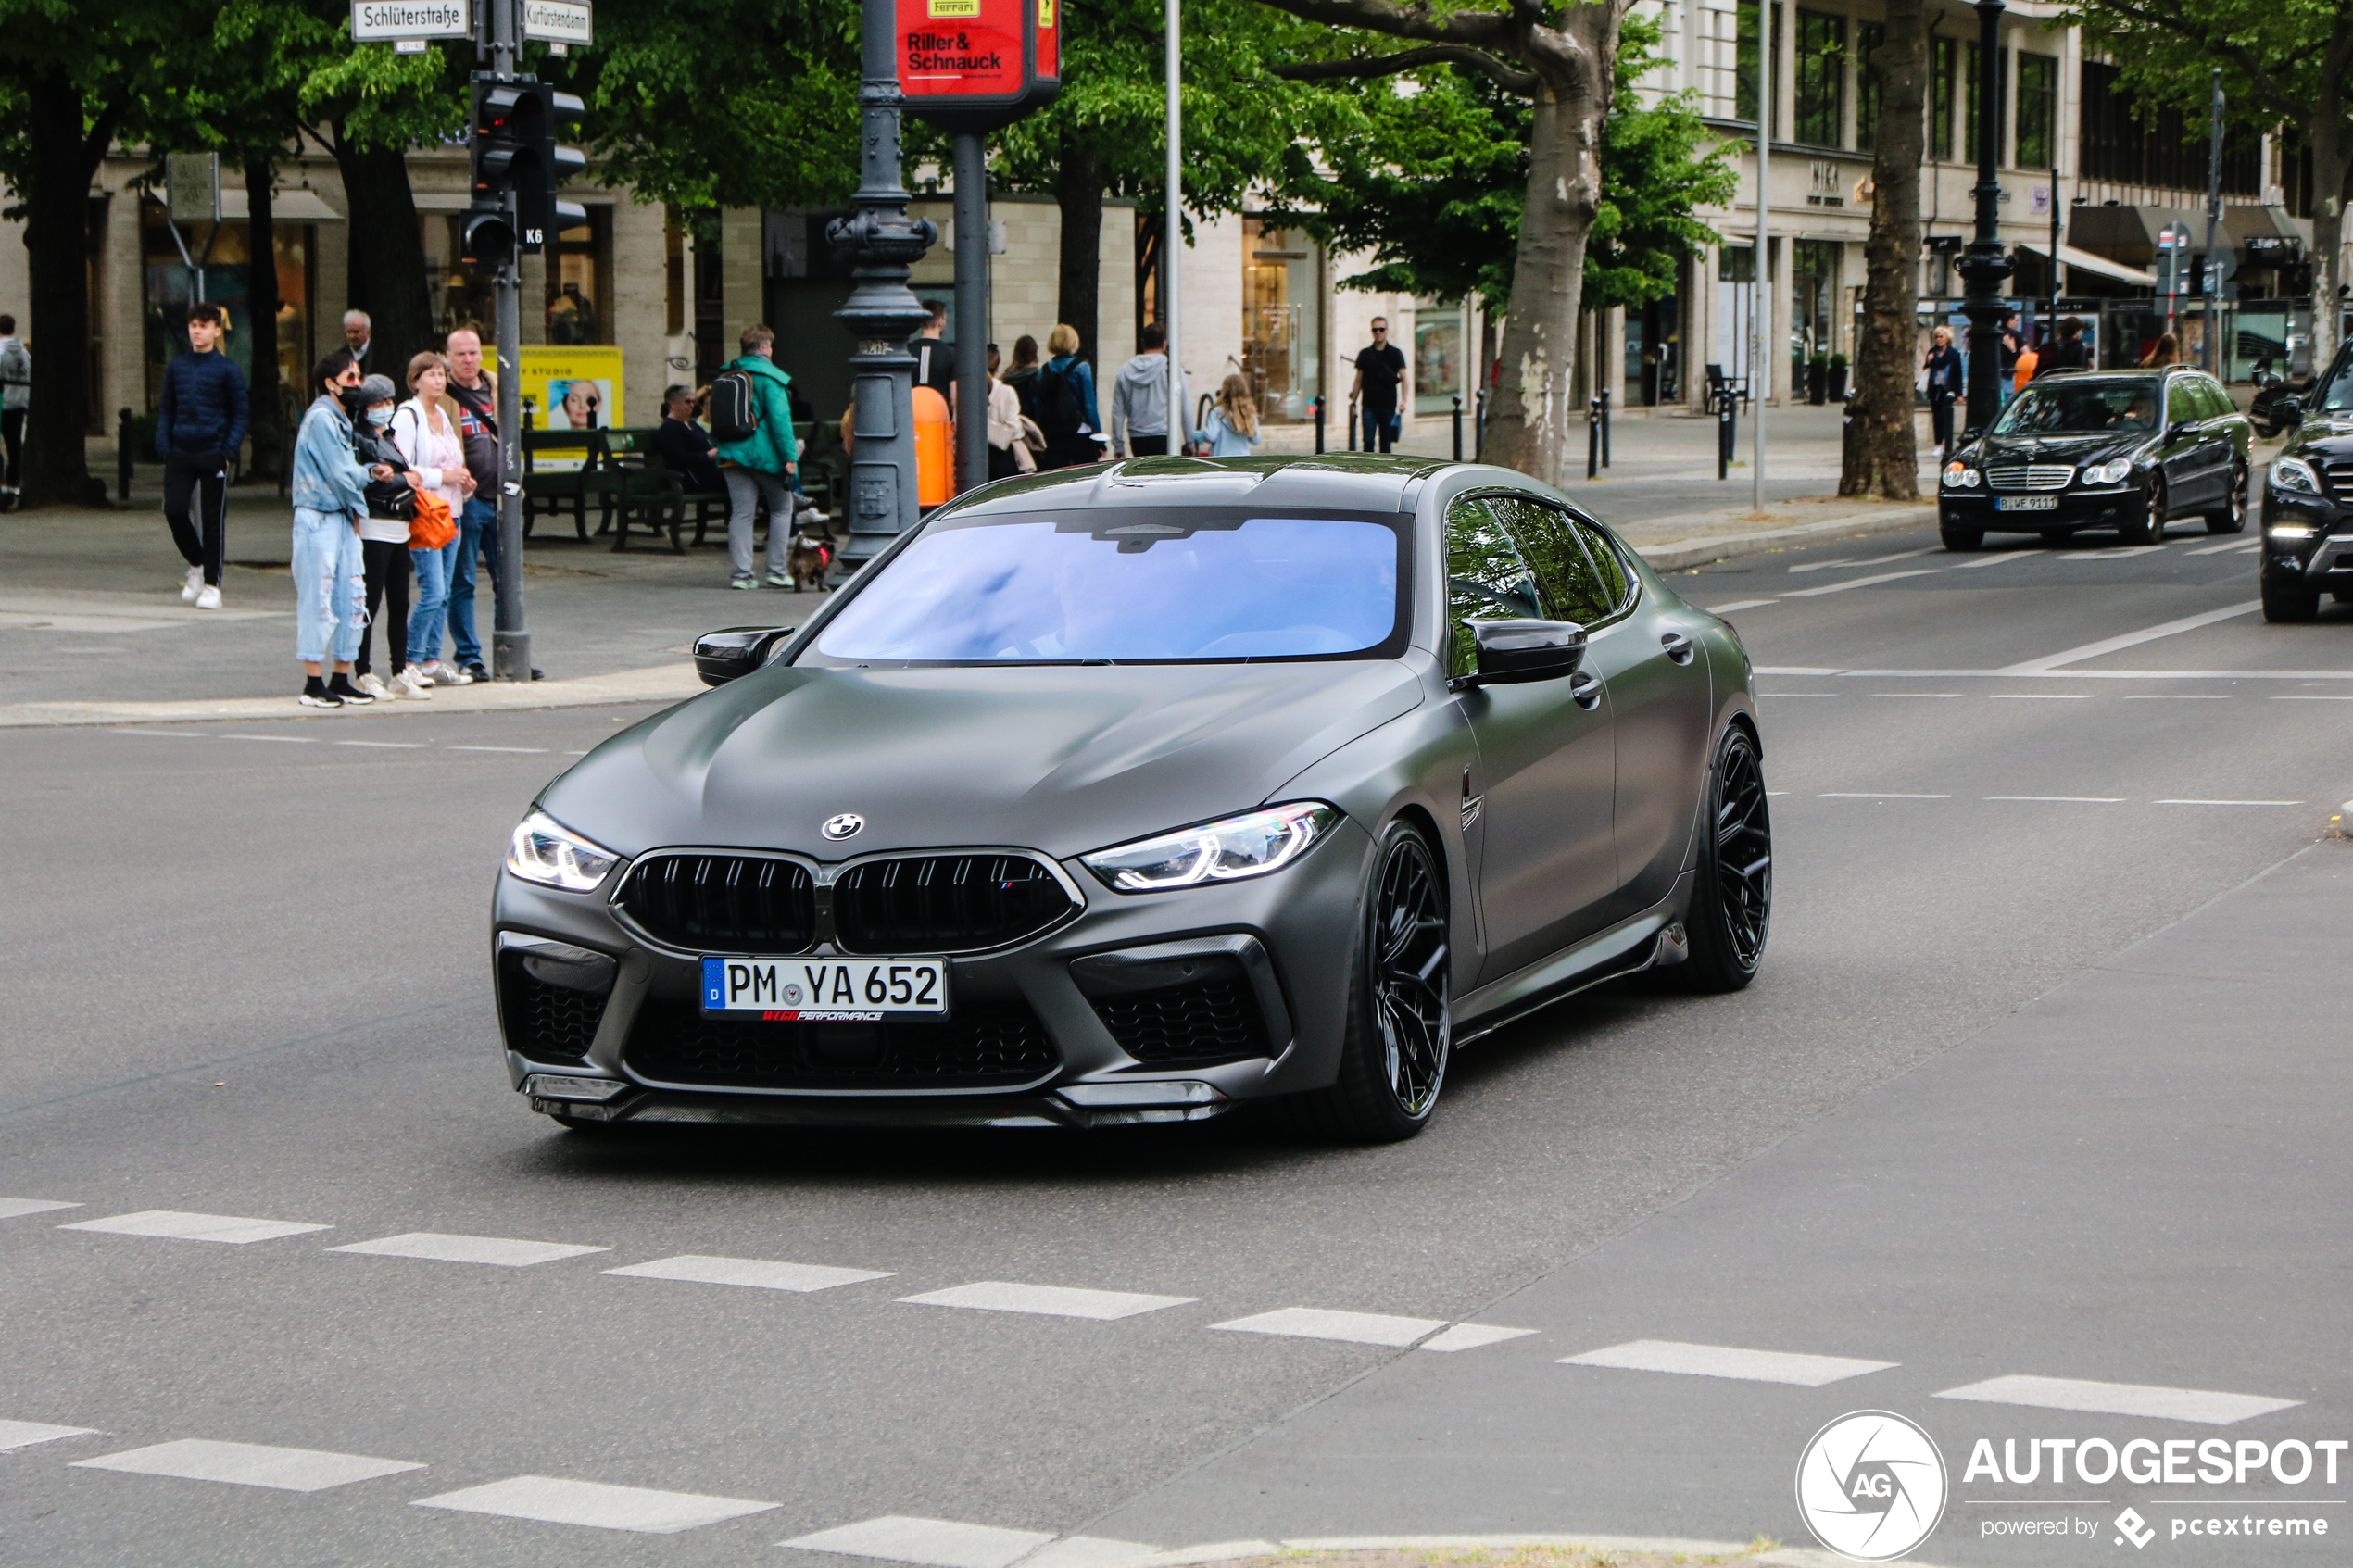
(844, 826)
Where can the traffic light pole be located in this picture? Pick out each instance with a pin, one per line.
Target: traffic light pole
(510, 640)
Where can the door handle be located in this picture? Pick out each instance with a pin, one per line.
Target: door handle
(1585, 690)
(1677, 646)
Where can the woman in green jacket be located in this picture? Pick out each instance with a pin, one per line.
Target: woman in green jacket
(761, 465)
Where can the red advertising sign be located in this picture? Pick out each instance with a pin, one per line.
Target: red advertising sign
(975, 65)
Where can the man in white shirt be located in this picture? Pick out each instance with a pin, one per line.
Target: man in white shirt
(16, 397)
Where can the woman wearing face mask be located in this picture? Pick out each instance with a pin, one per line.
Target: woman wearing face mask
(427, 431)
(384, 530)
(330, 501)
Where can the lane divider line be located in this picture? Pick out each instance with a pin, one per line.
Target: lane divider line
(248, 1464)
(1726, 1361)
(2118, 1398)
(2132, 639)
(595, 1504)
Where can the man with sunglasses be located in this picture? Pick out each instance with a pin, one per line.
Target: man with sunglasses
(1379, 388)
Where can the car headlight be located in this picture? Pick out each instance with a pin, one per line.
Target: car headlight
(1251, 845)
(2290, 531)
(1960, 475)
(2111, 473)
(546, 852)
(2295, 473)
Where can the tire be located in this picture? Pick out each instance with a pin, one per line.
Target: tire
(1960, 538)
(2149, 527)
(2289, 605)
(2058, 538)
(1732, 905)
(1400, 1034)
(2231, 519)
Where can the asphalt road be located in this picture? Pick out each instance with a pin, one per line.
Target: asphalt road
(2043, 1079)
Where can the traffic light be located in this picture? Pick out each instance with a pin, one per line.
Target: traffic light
(513, 134)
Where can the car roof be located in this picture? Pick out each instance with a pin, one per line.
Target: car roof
(1354, 481)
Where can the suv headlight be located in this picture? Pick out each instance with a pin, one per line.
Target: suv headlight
(1251, 845)
(1960, 475)
(2110, 473)
(546, 852)
(2295, 473)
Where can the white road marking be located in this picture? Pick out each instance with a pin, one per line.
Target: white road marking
(248, 1464)
(468, 1250)
(1739, 604)
(1876, 795)
(575, 754)
(2121, 552)
(2120, 1398)
(747, 1271)
(594, 1504)
(1864, 560)
(2071, 799)
(2311, 696)
(2226, 545)
(1776, 697)
(1725, 1360)
(1317, 1323)
(940, 1543)
(1915, 694)
(1826, 565)
(10, 1207)
(171, 1222)
(2177, 697)
(2132, 639)
(24, 1434)
(2230, 803)
(1859, 582)
(1998, 560)
(387, 745)
(1795, 669)
(1049, 1300)
(530, 750)
(2039, 696)
(1087, 1552)
(1471, 1336)
(286, 740)
(167, 735)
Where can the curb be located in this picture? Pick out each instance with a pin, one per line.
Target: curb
(665, 683)
(1677, 553)
(1662, 1546)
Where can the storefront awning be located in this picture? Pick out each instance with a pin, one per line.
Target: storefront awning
(2070, 255)
(287, 206)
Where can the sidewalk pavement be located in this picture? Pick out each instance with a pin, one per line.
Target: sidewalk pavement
(93, 631)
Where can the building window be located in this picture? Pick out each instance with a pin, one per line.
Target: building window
(458, 291)
(225, 262)
(1969, 107)
(1813, 287)
(1822, 79)
(1745, 63)
(2037, 111)
(1282, 320)
(1944, 56)
(674, 272)
(1868, 36)
(580, 282)
(2137, 143)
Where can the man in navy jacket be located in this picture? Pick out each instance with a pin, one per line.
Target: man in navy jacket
(200, 424)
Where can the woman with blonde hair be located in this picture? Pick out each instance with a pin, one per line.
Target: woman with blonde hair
(1232, 426)
(426, 429)
(1942, 370)
(1066, 393)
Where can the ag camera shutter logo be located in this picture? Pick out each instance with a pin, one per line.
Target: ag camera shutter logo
(1871, 1485)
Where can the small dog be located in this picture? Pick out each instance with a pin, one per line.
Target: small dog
(807, 561)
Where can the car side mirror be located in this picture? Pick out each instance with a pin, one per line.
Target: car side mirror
(2181, 429)
(2292, 409)
(721, 657)
(1511, 652)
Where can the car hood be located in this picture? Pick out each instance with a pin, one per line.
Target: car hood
(2322, 435)
(1063, 759)
(2078, 450)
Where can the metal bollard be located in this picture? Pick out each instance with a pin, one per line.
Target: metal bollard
(1604, 427)
(1353, 422)
(122, 456)
(1478, 430)
(1727, 432)
(1319, 426)
(1593, 438)
(1458, 428)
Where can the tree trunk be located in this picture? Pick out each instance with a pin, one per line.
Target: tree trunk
(1529, 424)
(56, 464)
(2331, 141)
(1079, 190)
(261, 299)
(1881, 454)
(388, 256)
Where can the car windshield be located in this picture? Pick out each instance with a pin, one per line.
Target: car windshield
(1162, 584)
(2072, 408)
(2338, 396)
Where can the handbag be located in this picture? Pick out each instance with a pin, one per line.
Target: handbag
(1032, 436)
(433, 525)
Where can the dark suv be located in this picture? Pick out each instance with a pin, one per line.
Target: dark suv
(2130, 450)
(2310, 484)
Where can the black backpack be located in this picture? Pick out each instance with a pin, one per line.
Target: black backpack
(735, 408)
(1059, 412)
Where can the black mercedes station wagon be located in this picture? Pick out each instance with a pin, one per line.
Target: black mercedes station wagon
(2130, 450)
(2308, 537)
(1133, 791)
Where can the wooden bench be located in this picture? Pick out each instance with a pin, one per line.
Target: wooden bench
(558, 491)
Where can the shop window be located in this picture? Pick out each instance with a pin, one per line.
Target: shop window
(459, 291)
(2037, 110)
(1438, 358)
(1822, 79)
(1812, 286)
(224, 256)
(579, 265)
(1282, 320)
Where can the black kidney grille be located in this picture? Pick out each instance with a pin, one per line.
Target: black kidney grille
(728, 903)
(1200, 1020)
(944, 903)
(546, 1022)
(980, 1045)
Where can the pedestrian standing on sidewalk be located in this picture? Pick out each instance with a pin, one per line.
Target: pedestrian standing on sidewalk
(200, 423)
(1141, 422)
(935, 358)
(383, 534)
(1023, 377)
(1066, 395)
(476, 392)
(1942, 368)
(1233, 423)
(330, 504)
(763, 457)
(16, 397)
(1008, 453)
(359, 335)
(425, 428)
(1381, 374)
(2068, 354)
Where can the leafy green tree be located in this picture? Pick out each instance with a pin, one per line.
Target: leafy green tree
(1881, 450)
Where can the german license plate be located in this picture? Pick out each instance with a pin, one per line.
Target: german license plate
(2026, 502)
(825, 990)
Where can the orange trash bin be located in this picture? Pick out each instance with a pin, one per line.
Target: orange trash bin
(935, 448)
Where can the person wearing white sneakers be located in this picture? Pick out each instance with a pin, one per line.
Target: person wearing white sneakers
(200, 424)
(329, 502)
(426, 429)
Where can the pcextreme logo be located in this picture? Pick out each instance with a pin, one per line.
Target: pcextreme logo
(1871, 1485)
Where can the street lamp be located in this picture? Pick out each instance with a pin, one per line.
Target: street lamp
(1985, 264)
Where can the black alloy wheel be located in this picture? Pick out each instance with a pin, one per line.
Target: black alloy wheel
(2149, 527)
(1400, 1026)
(2231, 519)
(1733, 907)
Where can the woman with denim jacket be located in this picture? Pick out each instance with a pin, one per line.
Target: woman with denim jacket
(329, 502)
